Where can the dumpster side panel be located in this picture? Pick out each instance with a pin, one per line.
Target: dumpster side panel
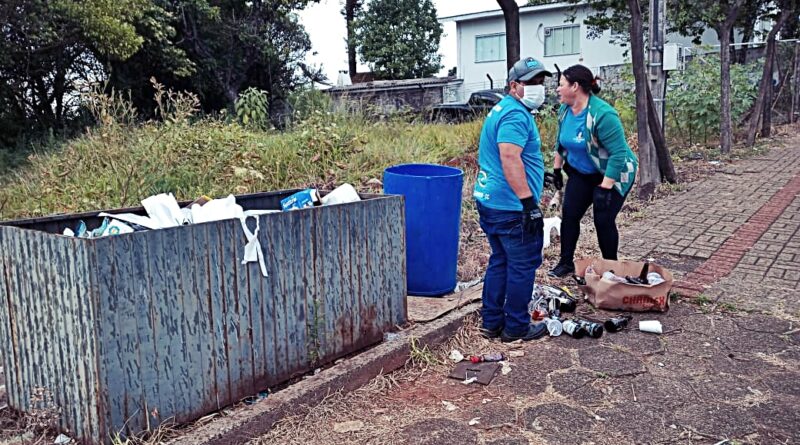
(47, 328)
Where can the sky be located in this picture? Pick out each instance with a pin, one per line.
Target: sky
(326, 28)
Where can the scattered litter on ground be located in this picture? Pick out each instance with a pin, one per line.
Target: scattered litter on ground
(391, 336)
(474, 421)
(516, 353)
(470, 381)
(456, 356)
(652, 326)
(483, 372)
(348, 427)
(449, 406)
(62, 440)
(490, 357)
(464, 285)
(506, 368)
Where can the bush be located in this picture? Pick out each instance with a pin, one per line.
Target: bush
(693, 96)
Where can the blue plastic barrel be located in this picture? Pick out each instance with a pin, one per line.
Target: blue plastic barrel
(433, 223)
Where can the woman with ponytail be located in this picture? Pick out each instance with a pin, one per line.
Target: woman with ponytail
(592, 150)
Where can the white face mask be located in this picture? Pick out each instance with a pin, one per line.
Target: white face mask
(533, 97)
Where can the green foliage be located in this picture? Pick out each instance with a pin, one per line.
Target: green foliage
(399, 39)
(106, 25)
(49, 49)
(693, 96)
(306, 101)
(252, 110)
(117, 164)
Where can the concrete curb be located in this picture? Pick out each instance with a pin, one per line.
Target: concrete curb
(250, 422)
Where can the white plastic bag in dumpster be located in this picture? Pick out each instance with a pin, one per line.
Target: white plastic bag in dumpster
(115, 227)
(340, 195)
(164, 210)
(217, 210)
(252, 250)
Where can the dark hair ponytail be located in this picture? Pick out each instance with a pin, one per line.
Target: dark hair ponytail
(583, 76)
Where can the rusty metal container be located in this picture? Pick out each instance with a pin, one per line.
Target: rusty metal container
(125, 332)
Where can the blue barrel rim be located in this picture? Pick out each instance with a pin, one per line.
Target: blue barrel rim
(453, 171)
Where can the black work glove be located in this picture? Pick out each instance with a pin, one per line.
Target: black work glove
(601, 198)
(532, 218)
(558, 179)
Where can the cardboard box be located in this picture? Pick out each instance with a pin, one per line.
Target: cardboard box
(605, 294)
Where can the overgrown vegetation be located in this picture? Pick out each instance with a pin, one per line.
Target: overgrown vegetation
(119, 162)
(693, 105)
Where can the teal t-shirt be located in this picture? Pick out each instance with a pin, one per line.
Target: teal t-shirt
(508, 122)
(573, 139)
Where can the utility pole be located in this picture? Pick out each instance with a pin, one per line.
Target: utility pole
(658, 22)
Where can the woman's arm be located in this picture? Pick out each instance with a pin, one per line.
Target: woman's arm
(558, 161)
(611, 136)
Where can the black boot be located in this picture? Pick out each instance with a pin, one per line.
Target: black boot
(562, 270)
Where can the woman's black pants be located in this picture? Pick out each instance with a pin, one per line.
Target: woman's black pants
(582, 191)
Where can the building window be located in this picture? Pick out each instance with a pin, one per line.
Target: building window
(490, 48)
(562, 40)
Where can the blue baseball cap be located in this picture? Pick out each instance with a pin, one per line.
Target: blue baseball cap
(526, 69)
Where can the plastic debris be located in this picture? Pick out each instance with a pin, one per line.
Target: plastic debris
(391, 336)
(341, 195)
(551, 224)
(470, 381)
(516, 353)
(348, 427)
(301, 200)
(506, 368)
(62, 440)
(474, 421)
(490, 357)
(449, 406)
(652, 326)
(456, 355)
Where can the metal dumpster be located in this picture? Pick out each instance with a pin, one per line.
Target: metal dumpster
(127, 331)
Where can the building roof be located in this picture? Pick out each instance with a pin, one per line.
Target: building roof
(429, 82)
(499, 13)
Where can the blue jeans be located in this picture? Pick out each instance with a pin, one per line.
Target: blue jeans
(508, 284)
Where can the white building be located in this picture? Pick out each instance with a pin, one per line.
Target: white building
(546, 33)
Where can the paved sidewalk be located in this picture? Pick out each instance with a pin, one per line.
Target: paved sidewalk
(726, 368)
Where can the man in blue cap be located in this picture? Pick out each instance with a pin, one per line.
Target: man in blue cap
(507, 192)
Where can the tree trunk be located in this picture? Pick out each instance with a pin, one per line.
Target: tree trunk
(665, 166)
(763, 105)
(648, 162)
(724, 35)
(511, 16)
(350, 7)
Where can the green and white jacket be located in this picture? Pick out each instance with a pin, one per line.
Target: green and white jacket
(607, 147)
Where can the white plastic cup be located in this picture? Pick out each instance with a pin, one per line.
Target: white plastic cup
(652, 326)
(554, 327)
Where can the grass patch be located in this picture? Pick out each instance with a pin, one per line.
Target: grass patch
(119, 164)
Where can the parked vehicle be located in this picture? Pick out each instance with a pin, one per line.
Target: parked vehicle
(478, 105)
